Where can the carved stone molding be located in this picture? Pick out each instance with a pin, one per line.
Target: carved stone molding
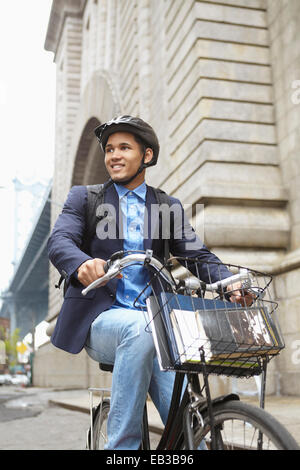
(59, 11)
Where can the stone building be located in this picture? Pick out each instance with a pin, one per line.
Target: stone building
(219, 81)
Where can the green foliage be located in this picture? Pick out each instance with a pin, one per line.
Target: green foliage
(11, 345)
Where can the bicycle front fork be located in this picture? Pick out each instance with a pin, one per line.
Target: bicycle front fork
(192, 412)
(192, 409)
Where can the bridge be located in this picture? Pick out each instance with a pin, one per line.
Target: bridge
(25, 301)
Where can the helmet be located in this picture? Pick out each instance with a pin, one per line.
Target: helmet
(134, 125)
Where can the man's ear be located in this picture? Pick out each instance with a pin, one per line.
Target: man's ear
(148, 155)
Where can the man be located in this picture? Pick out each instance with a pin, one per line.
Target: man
(105, 321)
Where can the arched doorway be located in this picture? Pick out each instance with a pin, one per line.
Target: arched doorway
(99, 103)
(89, 165)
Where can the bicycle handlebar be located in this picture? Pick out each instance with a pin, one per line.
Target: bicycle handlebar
(119, 261)
(194, 284)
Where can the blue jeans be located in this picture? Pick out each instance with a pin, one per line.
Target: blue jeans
(119, 336)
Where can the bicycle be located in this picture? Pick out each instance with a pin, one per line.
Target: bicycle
(195, 418)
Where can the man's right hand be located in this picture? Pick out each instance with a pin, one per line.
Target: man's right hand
(91, 270)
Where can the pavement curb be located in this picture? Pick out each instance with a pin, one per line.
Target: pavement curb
(285, 409)
(153, 427)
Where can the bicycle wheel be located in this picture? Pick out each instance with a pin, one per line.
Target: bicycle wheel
(100, 425)
(240, 426)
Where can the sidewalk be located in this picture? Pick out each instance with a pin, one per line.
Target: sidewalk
(285, 409)
(81, 402)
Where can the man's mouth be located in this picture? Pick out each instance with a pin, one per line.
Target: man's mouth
(117, 166)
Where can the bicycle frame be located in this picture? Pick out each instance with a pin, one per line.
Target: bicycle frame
(180, 415)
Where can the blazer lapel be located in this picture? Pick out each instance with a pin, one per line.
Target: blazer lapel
(111, 198)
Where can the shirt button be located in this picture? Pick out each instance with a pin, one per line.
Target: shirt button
(127, 296)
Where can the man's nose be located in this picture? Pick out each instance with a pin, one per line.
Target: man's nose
(116, 153)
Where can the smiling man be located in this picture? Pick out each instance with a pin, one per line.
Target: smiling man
(105, 322)
(124, 154)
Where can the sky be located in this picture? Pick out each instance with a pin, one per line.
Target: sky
(27, 118)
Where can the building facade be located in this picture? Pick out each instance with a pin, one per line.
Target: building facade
(219, 81)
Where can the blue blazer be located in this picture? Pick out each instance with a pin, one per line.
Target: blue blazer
(64, 249)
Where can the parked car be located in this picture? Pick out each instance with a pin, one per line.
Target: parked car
(19, 379)
(5, 379)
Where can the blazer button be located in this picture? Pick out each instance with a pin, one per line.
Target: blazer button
(112, 296)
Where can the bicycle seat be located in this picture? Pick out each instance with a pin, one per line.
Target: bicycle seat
(106, 367)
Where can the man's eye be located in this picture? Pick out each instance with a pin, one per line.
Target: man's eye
(124, 147)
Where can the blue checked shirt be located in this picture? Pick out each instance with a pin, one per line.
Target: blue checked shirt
(132, 205)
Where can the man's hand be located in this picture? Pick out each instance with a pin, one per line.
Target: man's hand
(91, 270)
(239, 295)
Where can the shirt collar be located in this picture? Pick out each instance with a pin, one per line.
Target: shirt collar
(140, 191)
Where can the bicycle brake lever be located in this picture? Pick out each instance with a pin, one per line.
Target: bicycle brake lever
(111, 273)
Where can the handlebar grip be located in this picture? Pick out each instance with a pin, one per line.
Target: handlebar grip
(106, 267)
(114, 257)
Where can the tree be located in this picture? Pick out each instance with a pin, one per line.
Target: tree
(11, 345)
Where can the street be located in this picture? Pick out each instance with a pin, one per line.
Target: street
(29, 422)
(30, 419)
(48, 419)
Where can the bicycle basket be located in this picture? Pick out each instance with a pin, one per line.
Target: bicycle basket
(192, 329)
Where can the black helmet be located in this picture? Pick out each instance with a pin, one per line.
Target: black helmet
(134, 125)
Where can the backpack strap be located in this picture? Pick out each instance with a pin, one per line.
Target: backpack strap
(163, 198)
(95, 197)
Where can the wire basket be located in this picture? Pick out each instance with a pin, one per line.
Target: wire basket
(193, 329)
